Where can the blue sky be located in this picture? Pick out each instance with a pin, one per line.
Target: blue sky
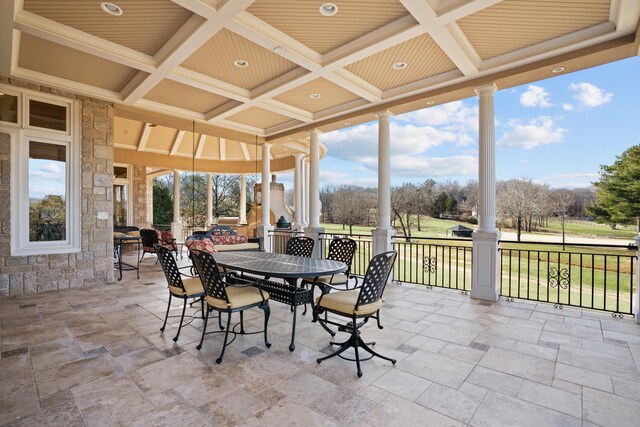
(556, 131)
(46, 177)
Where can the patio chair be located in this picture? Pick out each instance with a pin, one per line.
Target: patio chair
(362, 303)
(190, 287)
(300, 246)
(342, 250)
(151, 237)
(228, 298)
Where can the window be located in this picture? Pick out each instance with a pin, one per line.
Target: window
(45, 172)
(121, 200)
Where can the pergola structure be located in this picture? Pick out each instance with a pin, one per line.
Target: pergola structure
(273, 73)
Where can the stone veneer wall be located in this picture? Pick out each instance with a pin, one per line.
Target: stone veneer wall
(94, 264)
(139, 193)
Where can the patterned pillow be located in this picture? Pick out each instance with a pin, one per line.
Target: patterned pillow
(167, 236)
(204, 245)
(230, 240)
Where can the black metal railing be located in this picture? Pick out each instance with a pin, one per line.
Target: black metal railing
(278, 239)
(363, 253)
(591, 276)
(440, 262)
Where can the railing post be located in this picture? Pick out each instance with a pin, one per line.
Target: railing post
(636, 296)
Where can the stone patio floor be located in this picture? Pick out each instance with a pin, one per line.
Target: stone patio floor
(95, 356)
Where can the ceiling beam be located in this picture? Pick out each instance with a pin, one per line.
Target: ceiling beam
(7, 35)
(200, 146)
(245, 151)
(144, 136)
(176, 142)
(223, 149)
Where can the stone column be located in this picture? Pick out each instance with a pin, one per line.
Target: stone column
(297, 194)
(265, 188)
(383, 232)
(486, 268)
(209, 199)
(176, 225)
(305, 191)
(243, 200)
(314, 229)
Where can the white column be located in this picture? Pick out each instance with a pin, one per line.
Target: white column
(305, 192)
(176, 225)
(383, 231)
(297, 193)
(486, 268)
(243, 199)
(314, 229)
(209, 199)
(149, 202)
(265, 188)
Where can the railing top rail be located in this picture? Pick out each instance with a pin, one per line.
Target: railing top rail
(593, 245)
(452, 239)
(284, 231)
(345, 234)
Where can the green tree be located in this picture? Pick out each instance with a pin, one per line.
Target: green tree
(47, 219)
(162, 203)
(618, 191)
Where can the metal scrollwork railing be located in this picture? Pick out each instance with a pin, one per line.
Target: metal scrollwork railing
(559, 277)
(429, 264)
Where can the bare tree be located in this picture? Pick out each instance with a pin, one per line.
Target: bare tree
(350, 206)
(518, 200)
(561, 203)
(404, 204)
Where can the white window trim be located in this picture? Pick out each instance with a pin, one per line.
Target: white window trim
(129, 183)
(7, 90)
(20, 244)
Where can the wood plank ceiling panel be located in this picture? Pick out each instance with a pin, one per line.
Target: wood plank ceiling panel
(332, 95)
(179, 95)
(258, 117)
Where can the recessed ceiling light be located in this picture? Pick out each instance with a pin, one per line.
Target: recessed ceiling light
(400, 65)
(279, 50)
(111, 8)
(315, 96)
(431, 102)
(240, 63)
(557, 70)
(347, 123)
(328, 9)
(126, 131)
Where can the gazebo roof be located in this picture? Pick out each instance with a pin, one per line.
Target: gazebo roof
(460, 228)
(278, 68)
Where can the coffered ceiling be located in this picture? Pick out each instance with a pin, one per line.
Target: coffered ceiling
(275, 68)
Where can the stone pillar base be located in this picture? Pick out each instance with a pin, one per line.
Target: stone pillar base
(263, 231)
(176, 230)
(314, 233)
(382, 240)
(486, 266)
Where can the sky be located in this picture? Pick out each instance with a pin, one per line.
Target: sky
(46, 177)
(556, 131)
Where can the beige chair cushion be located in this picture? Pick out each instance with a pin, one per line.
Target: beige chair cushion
(238, 247)
(345, 302)
(336, 279)
(238, 297)
(192, 286)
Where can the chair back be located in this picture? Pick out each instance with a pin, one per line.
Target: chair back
(343, 250)
(376, 278)
(209, 275)
(300, 246)
(221, 230)
(169, 266)
(149, 237)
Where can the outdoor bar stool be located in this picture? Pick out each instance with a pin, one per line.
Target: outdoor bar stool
(360, 303)
(190, 287)
(229, 299)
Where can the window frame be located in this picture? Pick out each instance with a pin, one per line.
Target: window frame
(129, 183)
(20, 137)
(9, 90)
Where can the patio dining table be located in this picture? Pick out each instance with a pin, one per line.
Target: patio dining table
(287, 267)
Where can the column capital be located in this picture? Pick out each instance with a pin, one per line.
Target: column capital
(485, 89)
(299, 156)
(315, 131)
(384, 114)
(266, 145)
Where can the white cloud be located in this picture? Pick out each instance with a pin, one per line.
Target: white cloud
(453, 116)
(537, 131)
(535, 96)
(328, 177)
(567, 107)
(570, 180)
(50, 171)
(525, 161)
(433, 166)
(590, 95)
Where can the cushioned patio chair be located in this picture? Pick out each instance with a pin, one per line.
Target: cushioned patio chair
(189, 287)
(343, 250)
(151, 237)
(360, 303)
(228, 299)
(300, 246)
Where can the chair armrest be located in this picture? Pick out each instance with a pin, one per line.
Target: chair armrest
(259, 241)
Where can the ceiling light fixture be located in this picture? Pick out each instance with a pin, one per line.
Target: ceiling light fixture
(400, 65)
(240, 63)
(557, 70)
(315, 96)
(347, 123)
(279, 50)
(431, 102)
(111, 8)
(328, 9)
